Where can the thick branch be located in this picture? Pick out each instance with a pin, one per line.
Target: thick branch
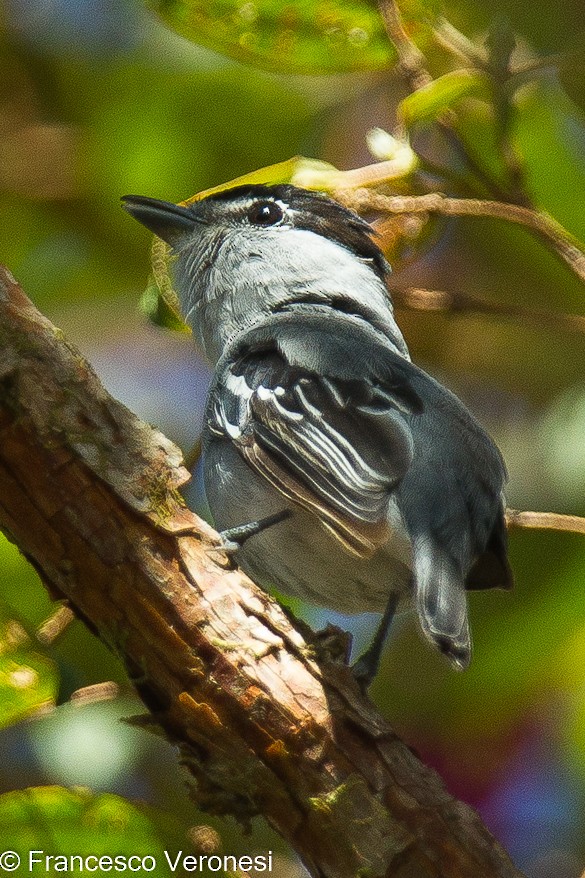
(89, 493)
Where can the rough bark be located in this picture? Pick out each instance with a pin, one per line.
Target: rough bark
(90, 495)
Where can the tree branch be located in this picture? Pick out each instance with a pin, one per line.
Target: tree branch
(411, 60)
(90, 495)
(457, 44)
(545, 521)
(560, 241)
(448, 302)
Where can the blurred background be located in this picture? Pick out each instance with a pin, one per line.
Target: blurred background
(99, 99)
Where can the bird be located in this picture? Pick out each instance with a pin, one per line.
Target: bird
(336, 470)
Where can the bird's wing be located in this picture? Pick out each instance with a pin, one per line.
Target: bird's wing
(316, 404)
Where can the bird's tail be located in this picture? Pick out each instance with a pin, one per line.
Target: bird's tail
(441, 601)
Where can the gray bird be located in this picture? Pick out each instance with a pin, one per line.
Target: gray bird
(337, 470)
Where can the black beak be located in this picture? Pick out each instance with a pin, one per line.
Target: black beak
(171, 222)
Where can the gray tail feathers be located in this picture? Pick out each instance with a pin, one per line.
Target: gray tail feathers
(441, 602)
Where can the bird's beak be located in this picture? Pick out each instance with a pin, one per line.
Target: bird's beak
(171, 222)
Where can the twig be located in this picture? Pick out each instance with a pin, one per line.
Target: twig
(545, 521)
(55, 625)
(451, 39)
(565, 245)
(411, 60)
(460, 303)
(106, 691)
(458, 44)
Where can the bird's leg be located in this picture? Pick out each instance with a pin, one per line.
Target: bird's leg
(366, 667)
(233, 538)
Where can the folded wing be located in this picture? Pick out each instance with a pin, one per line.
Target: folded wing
(316, 404)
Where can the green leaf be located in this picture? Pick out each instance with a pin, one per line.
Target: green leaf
(160, 302)
(28, 679)
(62, 822)
(299, 36)
(549, 134)
(476, 125)
(442, 93)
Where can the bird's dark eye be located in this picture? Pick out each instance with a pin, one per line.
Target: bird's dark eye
(265, 213)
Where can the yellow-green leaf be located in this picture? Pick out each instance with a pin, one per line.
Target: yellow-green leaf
(442, 93)
(298, 170)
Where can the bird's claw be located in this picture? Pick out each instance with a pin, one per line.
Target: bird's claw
(224, 546)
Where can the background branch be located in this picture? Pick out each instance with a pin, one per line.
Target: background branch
(558, 239)
(89, 494)
(449, 302)
(457, 44)
(411, 60)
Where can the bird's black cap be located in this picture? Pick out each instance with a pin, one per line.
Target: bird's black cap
(308, 210)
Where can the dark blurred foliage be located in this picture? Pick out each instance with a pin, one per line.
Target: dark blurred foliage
(98, 99)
